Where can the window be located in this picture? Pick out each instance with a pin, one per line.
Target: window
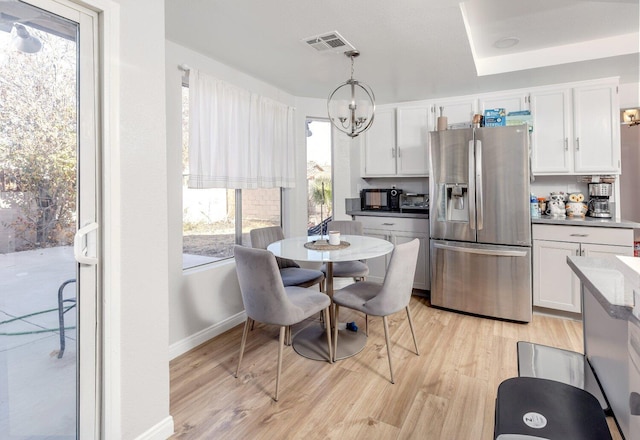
(319, 176)
(210, 226)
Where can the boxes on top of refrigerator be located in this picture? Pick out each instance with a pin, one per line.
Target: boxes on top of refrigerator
(495, 117)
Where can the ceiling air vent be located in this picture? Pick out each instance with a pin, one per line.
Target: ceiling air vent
(328, 42)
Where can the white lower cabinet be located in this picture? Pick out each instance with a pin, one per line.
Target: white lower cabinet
(398, 230)
(555, 286)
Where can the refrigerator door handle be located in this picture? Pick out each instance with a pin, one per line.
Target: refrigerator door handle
(479, 196)
(472, 186)
(494, 252)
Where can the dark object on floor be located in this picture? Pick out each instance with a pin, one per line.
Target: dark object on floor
(352, 326)
(542, 408)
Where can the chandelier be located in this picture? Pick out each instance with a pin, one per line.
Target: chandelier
(351, 106)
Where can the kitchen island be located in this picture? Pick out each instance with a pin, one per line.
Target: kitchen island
(610, 289)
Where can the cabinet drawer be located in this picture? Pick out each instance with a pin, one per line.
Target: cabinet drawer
(395, 223)
(584, 234)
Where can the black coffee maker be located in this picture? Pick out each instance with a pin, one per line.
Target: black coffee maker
(598, 205)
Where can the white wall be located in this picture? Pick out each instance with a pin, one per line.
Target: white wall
(137, 369)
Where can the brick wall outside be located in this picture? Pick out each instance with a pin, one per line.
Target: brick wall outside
(261, 204)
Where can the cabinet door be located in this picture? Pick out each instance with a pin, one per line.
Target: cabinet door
(378, 265)
(603, 250)
(380, 145)
(552, 116)
(511, 102)
(457, 111)
(554, 284)
(412, 138)
(421, 278)
(596, 129)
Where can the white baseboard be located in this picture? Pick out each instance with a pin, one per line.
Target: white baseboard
(161, 431)
(186, 344)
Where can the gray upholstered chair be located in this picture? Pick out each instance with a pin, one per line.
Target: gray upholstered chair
(347, 269)
(268, 301)
(291, 272)
(383, 299)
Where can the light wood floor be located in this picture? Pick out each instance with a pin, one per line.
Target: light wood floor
(448, 392)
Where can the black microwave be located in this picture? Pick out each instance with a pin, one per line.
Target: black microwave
(380, 199)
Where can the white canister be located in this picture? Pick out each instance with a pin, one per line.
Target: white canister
(334, 238)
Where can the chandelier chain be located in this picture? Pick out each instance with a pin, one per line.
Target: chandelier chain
(351, 66)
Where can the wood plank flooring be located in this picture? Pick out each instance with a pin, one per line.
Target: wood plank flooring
(448, 392)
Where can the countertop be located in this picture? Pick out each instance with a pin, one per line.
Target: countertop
(611, 281)
(586, 221)
(392, 214)
(544, 220)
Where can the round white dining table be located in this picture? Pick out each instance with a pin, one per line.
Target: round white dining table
(311, 341)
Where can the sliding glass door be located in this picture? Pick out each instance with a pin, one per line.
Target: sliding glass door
(48, 221)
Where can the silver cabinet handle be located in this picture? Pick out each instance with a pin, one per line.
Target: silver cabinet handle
(577, 144)
(393, 153)
(579, 235)
(388, 224)
(566, 144)
(398, 151)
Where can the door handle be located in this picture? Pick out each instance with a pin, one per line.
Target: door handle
(472, 187)
(493, 252)
(80, 247)
(479, 185)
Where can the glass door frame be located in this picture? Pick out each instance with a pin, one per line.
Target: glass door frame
(89, 279)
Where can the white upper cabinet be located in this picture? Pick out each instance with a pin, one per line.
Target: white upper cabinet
(596, 129)
(551, 111)
(380, 144)
(511, 101)
(397, 149)
(575, 130)
(412, 140)
(458, 111)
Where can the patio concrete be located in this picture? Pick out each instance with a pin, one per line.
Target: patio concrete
(37, 390)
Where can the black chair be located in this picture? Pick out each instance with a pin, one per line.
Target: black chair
(62, 310)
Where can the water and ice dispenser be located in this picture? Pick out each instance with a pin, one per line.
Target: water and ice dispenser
(453, 202)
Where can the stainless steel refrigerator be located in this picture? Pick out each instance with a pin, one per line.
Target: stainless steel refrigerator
(480, 222)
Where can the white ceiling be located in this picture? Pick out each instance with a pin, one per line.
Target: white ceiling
(414, 49)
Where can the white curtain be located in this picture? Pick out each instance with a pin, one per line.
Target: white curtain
(238, 139)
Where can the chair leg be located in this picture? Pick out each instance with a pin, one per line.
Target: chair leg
(386, 337)
(366, 325)
(245, 331)
(280, 348)
(328, 332)
(413, 333)
(336, 313)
